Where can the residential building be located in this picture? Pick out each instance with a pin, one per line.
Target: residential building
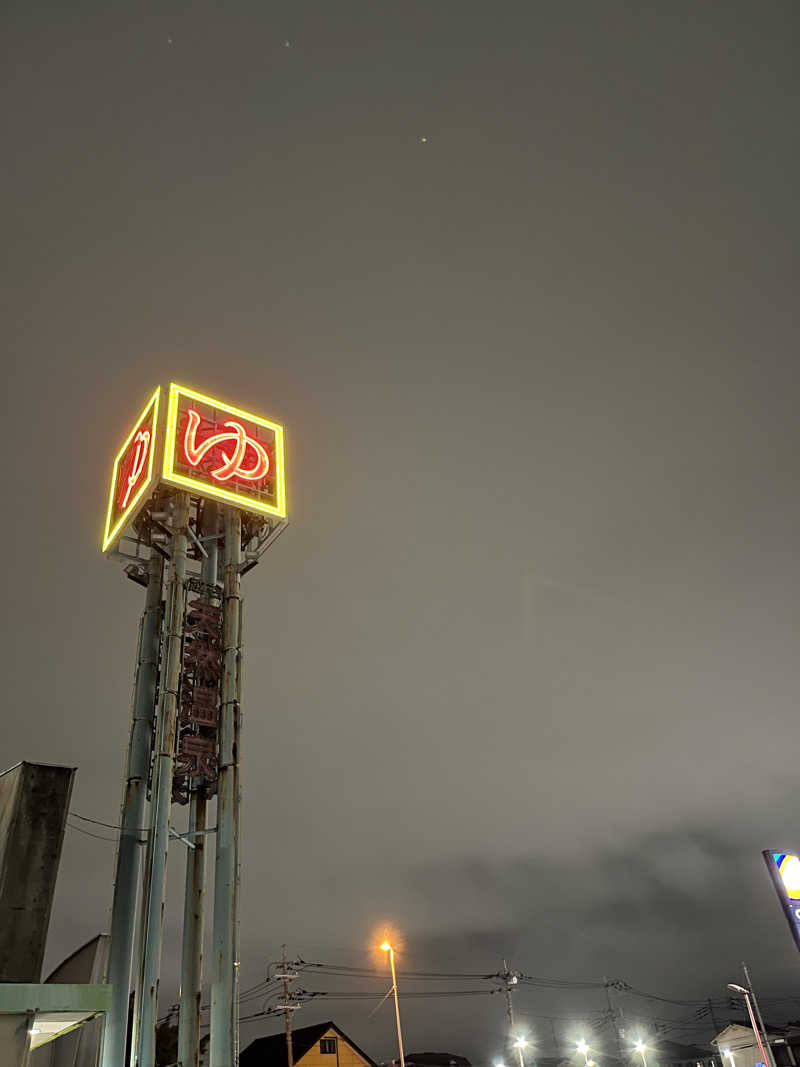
(738, 1046)
(435, 1059)
(323, 1045)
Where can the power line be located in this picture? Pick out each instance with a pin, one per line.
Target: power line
(88, 833)
(97, 822)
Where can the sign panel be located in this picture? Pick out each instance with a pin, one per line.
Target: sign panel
(217, 450)
(132, 472)
(784, 867)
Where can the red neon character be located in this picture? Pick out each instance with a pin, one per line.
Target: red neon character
(135, 467)
(232, 467)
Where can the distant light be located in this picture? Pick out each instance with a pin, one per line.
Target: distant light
(34, 1030)
(520, 1043)
(582, 1047)
(499, 1065)
(640, 1046)
(423, 140)
(386, 947)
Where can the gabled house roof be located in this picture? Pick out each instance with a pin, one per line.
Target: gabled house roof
(740, 1035)
(270, 1051)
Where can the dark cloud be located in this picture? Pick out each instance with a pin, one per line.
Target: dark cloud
(522, 674)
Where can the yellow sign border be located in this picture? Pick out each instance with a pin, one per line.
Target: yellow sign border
(203, 488)
(109, 535)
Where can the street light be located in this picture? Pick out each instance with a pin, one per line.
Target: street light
(519, 1045)
(386, 947)
(641, 1048)
(583, 1048)
(747, 994)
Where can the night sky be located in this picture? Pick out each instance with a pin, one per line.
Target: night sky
(522, 675)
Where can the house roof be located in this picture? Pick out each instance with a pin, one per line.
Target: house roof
(270, 1051)
(743, 1033)
(436, 1059)
(675, 1051)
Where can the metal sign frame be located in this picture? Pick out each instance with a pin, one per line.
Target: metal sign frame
(115, 525)
(202, 484)
(791, 905)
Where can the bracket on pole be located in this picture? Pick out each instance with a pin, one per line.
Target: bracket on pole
(193, 833)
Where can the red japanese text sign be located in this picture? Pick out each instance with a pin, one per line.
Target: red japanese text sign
(132, 472)
(220, 451)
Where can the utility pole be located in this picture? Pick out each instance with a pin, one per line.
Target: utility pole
(286, 977)
(714, 1022)
(613, 1016)
(509, 979)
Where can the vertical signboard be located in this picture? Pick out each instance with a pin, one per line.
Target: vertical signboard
(132, 472)
(217, 450)
(784, 868)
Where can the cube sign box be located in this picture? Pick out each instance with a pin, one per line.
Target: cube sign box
(216, 450)
(208, 447)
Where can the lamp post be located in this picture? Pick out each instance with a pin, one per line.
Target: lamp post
(641, 1048)
(386, 947)
(747, 994)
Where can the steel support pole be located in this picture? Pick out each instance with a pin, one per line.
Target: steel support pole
(163, 762)
(237, 828)
(397, 1011)
(131, 836)
(225, 963)
(770, 1055)
(194, 896)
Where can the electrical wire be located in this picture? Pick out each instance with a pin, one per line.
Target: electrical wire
(97, 822)
(108, 825)
(558, 983)
(88, 833)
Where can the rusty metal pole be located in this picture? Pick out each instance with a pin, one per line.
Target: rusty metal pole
(237, 827)
(143, 1053)
(225, 962)
(194, 897)
(126, 879)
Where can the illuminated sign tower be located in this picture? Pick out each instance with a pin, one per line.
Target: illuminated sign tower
(197, 495)
(784, 869)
